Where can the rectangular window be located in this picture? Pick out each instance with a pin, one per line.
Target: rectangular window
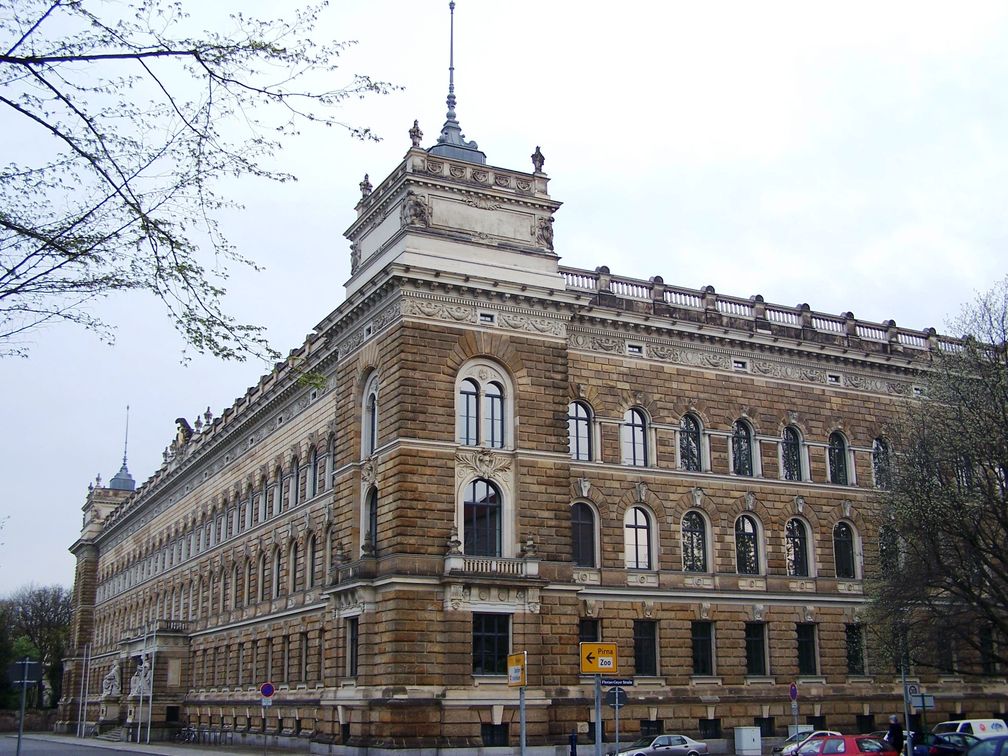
(766, 726)
(352, 639)
(491, 640)
(303, 650)
(855, 649)
(589, 631)
(710, 729)
(494, 735)
(755, 648)
(807, 661)
(866, 723)
(702, 634)
(651, 728)
(645, 640)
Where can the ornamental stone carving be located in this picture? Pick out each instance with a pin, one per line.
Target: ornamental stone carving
(415, 210)
(583, 487)
(481, 463)
(111, 687)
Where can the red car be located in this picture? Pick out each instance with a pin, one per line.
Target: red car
(850, 744)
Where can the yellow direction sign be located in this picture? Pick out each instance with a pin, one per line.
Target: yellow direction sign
(598, 658)
(516, 670)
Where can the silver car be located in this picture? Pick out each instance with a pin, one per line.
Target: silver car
(666, 745)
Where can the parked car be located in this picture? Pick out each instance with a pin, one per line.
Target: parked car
(666, 745)
(946, 744)
(996, 746)
(793, 742)
(982, 728)
(846, 744)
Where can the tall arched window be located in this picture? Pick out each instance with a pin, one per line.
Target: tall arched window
(310, 562)
(796, 548)
(791, 467)
(483, 405)
(690, 454)
(843, 550)
(583, 535)
(247, 584)
(838, 458)
(747, 546)
(694, 542)
(742, 448)
(313, 472)
(276, 573)
(371, 535)
(369, 435)
(234, 588)
(263, 575)
(637, 539)
(493, 414)
(881, 463)
(634, 438)
(468, 413)
(579, 431)
(292, 567)
(295, 484)
(482, 519)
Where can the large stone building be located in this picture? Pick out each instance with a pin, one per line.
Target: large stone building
(482, 451)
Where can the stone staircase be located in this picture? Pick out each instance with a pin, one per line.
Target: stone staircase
(115, 735)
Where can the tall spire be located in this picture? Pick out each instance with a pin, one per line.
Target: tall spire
(451, 143)
(122, 480)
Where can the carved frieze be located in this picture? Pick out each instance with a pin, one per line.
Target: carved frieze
(535, 325)
(467, 597)
(598, 343)
(439, 310)
(484, 203)
(481, 463)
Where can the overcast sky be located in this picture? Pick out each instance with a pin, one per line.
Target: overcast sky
(854, 157)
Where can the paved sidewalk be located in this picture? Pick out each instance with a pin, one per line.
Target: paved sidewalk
(8, 744)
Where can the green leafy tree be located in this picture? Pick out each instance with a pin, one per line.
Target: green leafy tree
(40, 617)
(943, 576)
(119, 126)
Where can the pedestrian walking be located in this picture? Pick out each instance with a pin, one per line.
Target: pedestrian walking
(895, 734)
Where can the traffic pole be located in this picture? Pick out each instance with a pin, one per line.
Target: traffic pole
(521, 716)
(24, 686)
(598, 715)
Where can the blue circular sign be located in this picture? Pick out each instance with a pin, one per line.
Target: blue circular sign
(266, 690)
(793, 692)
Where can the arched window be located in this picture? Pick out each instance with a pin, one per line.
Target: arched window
(247, 584)
(694, 542)
(742, 448)
(579, 431)
(690, 454)
(791, 463)
(483, 405)
(263, 573)
(369, 430)
(637, 539)
(295, 484)
(634, 438)
(881, 463)
(468, 413)
(746, 546)
(371, 534)
(493, 414)
(292, 568)
(277, 492)
(482, 519)
(234, 588)
(838, 458)
(583, 535)
(843, 550)
(313, 472)
(889, 550)
(276, 573)
(310, 562)
(796, 548)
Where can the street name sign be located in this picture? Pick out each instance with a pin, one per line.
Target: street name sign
(623, 682)
(598, 658)
(922, 702)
